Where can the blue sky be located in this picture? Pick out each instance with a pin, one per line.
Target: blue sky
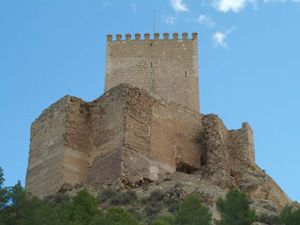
(249, 67)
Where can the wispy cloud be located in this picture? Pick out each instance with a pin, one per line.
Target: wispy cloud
(133, 6)
(232, 5)
(169, 20)
(238, 5)
(219, 38)
(206, 20)
(106, 4)
(179, 6)
(276, 0)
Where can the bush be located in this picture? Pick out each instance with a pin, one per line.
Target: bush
(4, 194)
(107, 194)
(173, 205)
(235, 209)
(268, 218)
(58, 198)
(135, 213)
(124, 198)
(157, 195)
(115, 216)
(193, 212)
(164, 220)
(288, 216)
(153, 208)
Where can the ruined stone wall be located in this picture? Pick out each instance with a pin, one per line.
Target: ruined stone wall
(242, 144)
(225, 148)
(127, 136)
(107, 139)
(160, 137)
(59, 147)
(76, 149)
(166, 68)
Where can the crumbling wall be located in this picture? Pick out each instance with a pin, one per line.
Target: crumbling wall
(225, 148)
(76, 150)
(107, 139)
(216, 141)
(166, 68)
(242, 145)
(47, 143)
(162, 135)
(127, 136)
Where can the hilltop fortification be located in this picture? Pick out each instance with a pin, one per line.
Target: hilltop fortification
(166, 68)
(144, 127)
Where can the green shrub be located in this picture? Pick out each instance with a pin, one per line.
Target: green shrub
(173, 205)
(288, 216)
(58, 198)
(124, 198)
(268, 218)
(164, 220)
(135, 213)
(235, 209)
(193, 212)
(153, 208)
(107, 194)
(115, 216)
(128, 197)
(157, 195)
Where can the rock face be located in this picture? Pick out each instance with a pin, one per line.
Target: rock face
(130, 135)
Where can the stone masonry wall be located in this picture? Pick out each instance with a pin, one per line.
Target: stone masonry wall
(127, 136)
(225, 148)
(160, 137)
(107, 139)
(76, 150)
(166, 68)
(47, 141)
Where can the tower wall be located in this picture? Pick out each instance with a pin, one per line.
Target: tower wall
(166, 68)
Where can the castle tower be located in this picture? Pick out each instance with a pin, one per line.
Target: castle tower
(166, 68)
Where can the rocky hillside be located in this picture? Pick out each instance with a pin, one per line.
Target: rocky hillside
(163, 196)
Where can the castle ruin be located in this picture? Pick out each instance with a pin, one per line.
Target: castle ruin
(145, 126)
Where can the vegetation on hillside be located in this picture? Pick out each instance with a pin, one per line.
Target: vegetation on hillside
(121, 208)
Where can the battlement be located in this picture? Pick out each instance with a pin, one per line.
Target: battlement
(137, 37)
(166, 68)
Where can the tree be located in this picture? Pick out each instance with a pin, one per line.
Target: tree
(235, 209)
(3, 191)
(115, 216)
(193, 212)
(288, 216)
(165, 220)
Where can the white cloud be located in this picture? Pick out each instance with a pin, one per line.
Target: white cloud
(219, 39)
(179, 6)
(169, 20)
(231, 5)
(275, 0)
(206, 20)
(133, 6)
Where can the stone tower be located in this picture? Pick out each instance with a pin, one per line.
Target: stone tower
(144, 133)
(166, 68)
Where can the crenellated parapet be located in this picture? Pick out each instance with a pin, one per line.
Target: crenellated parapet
(156, 36)
(166, 65)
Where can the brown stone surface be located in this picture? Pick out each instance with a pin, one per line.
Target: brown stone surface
(127, 136)
(144, 132)
(165, 68)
